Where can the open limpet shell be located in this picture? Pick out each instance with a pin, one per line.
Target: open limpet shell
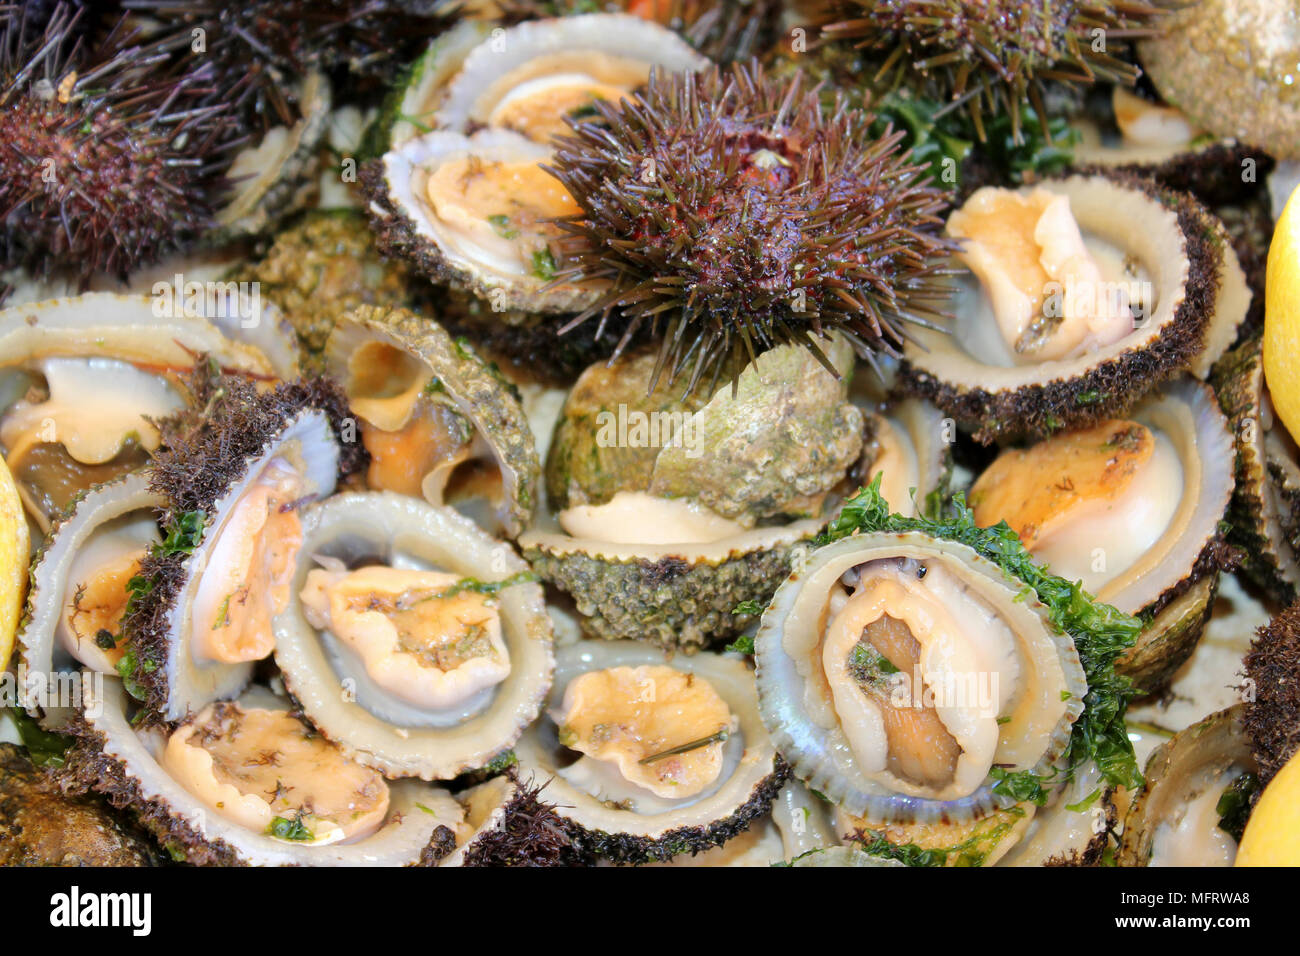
(1168, 242)
(333, 687)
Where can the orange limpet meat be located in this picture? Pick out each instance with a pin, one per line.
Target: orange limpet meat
(1034, 490)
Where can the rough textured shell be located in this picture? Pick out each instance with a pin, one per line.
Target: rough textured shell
(1216, 743)
(1258, 512)
(674, 596)
(477, 391)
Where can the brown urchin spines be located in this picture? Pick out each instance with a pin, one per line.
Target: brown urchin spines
(994, 54)
(730, 213)
(109, 157)
(1273, 713)
(259, 49)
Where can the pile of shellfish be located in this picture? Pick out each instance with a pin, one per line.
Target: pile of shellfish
(366, 534)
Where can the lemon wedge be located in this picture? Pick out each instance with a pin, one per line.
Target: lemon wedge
(1282, 316)
(14, 550)
(1272, 836)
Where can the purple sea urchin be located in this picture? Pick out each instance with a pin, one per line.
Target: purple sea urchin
(109, 158)
(260, 49)
(990, 54)
(729, 213)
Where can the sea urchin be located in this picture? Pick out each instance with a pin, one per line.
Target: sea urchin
(995, 54)
(260, 49)
(729, 213)
(108, 160)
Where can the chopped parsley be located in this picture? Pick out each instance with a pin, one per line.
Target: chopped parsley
(502, 762)
(741, 645)
(544, 264)
(127, 668)
(283, 828)
(501, 226)
(481, 587)
(184, 533)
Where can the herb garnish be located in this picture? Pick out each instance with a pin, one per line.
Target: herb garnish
(501, 226)
(716, 738)
(285, 829)
(741, 645)
(478, 587)
(543, 264)
(44, 748)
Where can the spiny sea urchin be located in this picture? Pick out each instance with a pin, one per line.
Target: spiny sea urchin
(732, 213)
(261, 48)
(994, 54)
(531, 834)
(1273, 714)
(109, 158)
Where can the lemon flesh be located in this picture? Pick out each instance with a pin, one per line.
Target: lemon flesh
(1272, 836)
(14, 546)
(1282, 317)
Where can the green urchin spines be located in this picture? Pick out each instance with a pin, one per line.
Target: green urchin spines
(994, 55)
(729, 212)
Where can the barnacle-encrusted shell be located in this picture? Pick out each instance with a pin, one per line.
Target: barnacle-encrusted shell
(684, 594)
(39, 826)
(347, 706)
(773, 442)
(795, 695)
(751, 776)
(423, 361)
(1195, 307)
(674, 595)
(121, 760)
(1173, 821)
(323, 267)
(1234, 67)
